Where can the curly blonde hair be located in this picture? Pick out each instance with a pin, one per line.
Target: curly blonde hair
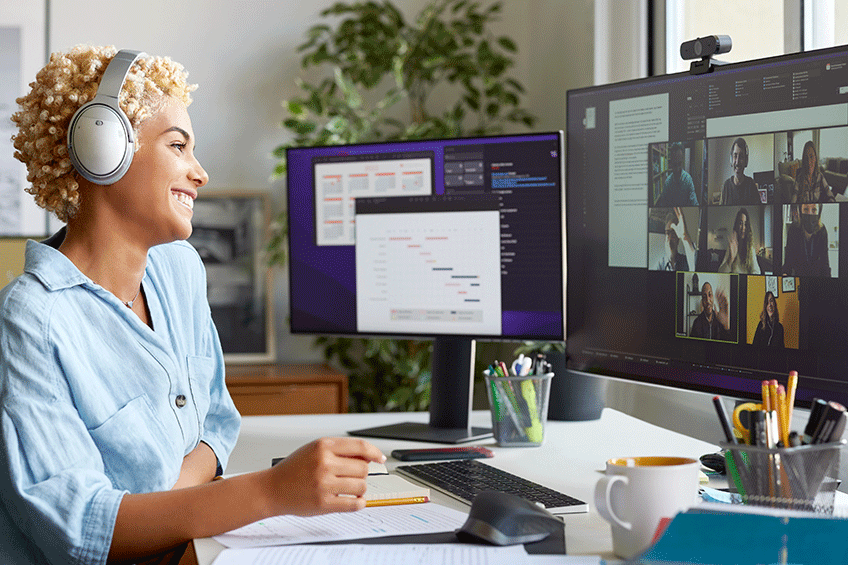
(67, 82)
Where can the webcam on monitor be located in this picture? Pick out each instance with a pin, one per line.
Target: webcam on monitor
(704, 48)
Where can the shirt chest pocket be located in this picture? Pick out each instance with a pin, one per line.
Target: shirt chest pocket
(200, 371)
(137, 453)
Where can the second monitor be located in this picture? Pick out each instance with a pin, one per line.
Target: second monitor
(451, 239)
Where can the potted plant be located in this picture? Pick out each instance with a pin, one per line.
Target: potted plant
(374, 60)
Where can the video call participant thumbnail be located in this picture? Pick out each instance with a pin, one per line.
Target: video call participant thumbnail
(806, 248)
(741, 256)
(673, 249)
(678, 186)
(714, 319)
(739, 189)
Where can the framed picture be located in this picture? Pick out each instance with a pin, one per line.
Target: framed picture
(23, 40)
(788, 284)
(229, 231)
(771, 286)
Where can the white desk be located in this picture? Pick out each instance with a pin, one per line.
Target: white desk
(570, 460)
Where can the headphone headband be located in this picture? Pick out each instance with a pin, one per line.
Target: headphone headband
(100, 136)
(116, 73)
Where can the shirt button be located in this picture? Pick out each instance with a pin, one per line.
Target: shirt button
(180, 401)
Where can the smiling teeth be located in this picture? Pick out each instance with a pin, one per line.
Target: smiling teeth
(184, 198)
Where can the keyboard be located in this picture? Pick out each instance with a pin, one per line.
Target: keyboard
(464, 479)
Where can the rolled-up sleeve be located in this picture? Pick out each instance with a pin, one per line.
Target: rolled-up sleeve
(221, 425)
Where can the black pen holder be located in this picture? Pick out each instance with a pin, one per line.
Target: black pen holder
(796, 478)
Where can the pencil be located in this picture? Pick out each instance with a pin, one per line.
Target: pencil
(791, 385)
(783, 428)
(766, 397)
(772, 386)
(394, 501)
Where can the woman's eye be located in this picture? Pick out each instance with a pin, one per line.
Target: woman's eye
(178, 146)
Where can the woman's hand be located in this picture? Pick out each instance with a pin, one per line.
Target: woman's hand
(326, 475)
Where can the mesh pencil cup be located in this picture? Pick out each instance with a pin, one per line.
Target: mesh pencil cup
(797, 478)
(519, 407)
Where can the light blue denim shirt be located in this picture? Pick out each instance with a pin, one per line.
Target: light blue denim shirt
(96, 404)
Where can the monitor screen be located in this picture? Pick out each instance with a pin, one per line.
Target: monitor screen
(451, 239)
(703, 227)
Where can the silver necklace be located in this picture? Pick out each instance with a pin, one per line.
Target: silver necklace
(129, 303)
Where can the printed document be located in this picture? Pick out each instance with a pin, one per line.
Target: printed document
(412, 554)
(380, 521)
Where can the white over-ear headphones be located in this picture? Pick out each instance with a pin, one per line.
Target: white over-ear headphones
(100, 136)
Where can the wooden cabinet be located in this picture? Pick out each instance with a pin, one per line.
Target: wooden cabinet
(261, 390)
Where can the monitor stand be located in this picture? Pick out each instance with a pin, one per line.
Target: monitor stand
(450, 399)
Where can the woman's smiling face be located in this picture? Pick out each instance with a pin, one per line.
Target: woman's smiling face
(159, 189)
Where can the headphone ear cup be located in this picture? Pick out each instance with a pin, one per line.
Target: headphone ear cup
(100, 142)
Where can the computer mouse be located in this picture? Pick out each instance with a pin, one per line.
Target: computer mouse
(499, 518)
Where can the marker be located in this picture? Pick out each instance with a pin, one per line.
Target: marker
(814, 421)
(830, 417)
(758, 427)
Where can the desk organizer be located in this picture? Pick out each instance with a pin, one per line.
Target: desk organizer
(797, 478)
(519, 407)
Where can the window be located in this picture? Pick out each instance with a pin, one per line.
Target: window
(758, 28)
(688, 19)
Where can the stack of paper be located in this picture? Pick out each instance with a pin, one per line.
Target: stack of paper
(368, 523)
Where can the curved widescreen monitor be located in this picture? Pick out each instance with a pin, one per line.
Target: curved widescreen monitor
(450, 239)
(704, 242)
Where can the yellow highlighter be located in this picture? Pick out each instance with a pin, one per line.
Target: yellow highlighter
(535, 432)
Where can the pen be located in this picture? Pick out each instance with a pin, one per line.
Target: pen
(735, 463)
(722, 418)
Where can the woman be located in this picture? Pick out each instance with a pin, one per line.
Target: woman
(111, 372)
(740, 256)
(810, 184)
(769, 332)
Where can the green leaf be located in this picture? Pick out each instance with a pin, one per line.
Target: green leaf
(507, 44)
(296, 108)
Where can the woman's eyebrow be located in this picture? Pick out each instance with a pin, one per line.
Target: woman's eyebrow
(180, 130)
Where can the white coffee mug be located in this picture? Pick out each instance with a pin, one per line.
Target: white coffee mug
(637, 492)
